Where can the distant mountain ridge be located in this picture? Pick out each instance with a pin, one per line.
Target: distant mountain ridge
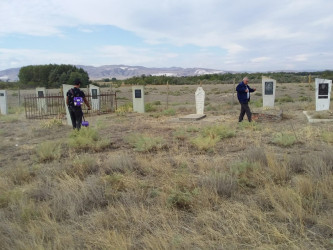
(123, 72)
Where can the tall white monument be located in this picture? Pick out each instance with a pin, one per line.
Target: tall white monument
(3, 102)
(199, 106)
(138, 99)
(323, 94)
(268, 92)
(200, 100)
(95, 97)
(65, 88)
(41, 101)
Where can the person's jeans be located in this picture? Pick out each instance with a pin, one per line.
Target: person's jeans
(245, 109)
(76, 117)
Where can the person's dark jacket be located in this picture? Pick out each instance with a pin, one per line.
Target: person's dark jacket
(241, 94)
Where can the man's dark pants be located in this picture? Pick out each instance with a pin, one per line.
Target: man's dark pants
(76, 116)
(245, 109)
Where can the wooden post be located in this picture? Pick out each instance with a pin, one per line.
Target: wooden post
(233, 91)
(167, 94)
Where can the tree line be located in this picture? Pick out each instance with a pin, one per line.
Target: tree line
(51, 75)
(281, 77)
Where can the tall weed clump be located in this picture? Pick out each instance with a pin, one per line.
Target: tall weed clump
(87, 139)
(48, 151)
(210, 136)
(145, 143)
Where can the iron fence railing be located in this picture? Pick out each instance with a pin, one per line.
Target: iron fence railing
(51, 106)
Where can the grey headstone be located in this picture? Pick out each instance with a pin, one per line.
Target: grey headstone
(200, 100)
(138, 99)
(268, 92)
(323, 94)
(3, 102)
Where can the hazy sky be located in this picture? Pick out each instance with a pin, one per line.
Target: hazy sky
(245, 35)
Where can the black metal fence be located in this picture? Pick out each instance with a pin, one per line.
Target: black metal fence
(53, 106)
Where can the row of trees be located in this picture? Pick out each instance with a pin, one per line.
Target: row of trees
(51, 76)
(281, 77)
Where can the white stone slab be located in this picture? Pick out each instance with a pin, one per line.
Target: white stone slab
(95, 98)
(41, 101)
(192, 117)
(200, 100)
(3, 102)
(138, 99)
(65, 88)
(323, 94)
(268, 92)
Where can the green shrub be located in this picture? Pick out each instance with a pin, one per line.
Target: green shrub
(258, 103)
(284, 139)
(145, 143)
(327, 136)
(210, 136)
(205, 142)
(285, 98)
(48, 151)
(220, 131)
(126, 108)
(182, 199)
(254, 126)
(87, 138)
(305, 99)
(244, 171)
(169, 112)
(149, 107)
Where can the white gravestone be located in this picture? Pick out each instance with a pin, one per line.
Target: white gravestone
(41, 101)
(200, 100)
(3, 102)
(138, 99)
(65, 88)
(323, 94)
(95, 97)
(268, 92)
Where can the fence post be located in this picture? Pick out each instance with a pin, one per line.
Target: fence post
(233, 91)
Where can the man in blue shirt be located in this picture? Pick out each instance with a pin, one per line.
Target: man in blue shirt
(243, 94)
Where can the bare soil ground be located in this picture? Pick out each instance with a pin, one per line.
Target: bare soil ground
(148, 181)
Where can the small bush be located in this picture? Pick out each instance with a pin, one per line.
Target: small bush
(157, 103)
(169, 112)
(305, 99)
(253, 126)
(210, 136)
(205, 142)
(51, 123)
(245, 173)
(327, 136)
(284, 99)
(87, 138)
(219, 131)
(180, 134)
(258, 94)
(145, 143)
(126, 108)
(224, 185)
(149, 107)
(48, 151)
(182, 199)
(82, 166)
(258, 103)
(284, 139)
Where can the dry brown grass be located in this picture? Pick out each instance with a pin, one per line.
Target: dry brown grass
(246, 193)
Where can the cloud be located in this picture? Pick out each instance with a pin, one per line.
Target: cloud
(248, 31)
(18, 57)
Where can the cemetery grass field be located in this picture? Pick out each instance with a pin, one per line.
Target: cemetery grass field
(148, 181)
